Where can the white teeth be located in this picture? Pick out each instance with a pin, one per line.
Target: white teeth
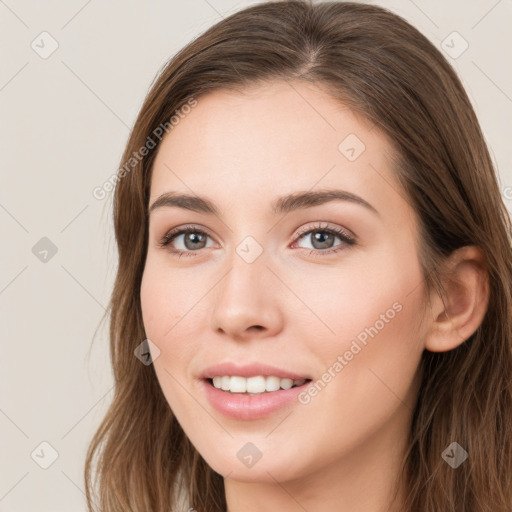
(224, 383)
(254, 385)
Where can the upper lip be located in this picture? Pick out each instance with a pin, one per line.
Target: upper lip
(248, 370)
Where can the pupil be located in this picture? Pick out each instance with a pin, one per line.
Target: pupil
(193, 238)
(319, 235)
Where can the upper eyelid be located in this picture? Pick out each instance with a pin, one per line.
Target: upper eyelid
(327, 227)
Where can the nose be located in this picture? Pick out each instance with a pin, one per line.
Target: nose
(246, 302)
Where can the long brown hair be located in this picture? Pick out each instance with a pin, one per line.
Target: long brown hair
(384, 69)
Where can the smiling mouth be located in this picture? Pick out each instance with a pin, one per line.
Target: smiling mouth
(296, 384)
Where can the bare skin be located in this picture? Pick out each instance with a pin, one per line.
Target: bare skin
(342, 450)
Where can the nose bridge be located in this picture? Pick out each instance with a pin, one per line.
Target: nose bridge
(247, 273)
(245, 296)
(248, 255)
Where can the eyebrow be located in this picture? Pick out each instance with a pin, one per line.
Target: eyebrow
(285, 204)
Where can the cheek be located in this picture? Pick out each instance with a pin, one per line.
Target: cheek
(172, 314)
(352, 304)
(164, 304)
(377, 295)
(377, 349)
(370, 370)
(165, 299)
(153, 294)
(370, 319)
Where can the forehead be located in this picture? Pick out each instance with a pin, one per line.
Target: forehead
(270, 140)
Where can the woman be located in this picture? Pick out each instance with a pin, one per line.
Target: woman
(367, 371)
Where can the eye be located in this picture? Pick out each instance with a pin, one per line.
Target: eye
(194, 240)
(321, 236)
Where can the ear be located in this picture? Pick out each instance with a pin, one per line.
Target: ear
(465, 303)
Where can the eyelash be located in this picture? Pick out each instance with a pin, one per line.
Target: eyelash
(343, 235)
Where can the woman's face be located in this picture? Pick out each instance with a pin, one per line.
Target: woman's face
(281, 287)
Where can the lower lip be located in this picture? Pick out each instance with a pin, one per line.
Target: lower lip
(245, 407)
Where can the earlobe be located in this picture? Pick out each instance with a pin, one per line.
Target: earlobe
(457, 315)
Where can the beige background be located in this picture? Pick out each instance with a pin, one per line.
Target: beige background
(64, 122)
